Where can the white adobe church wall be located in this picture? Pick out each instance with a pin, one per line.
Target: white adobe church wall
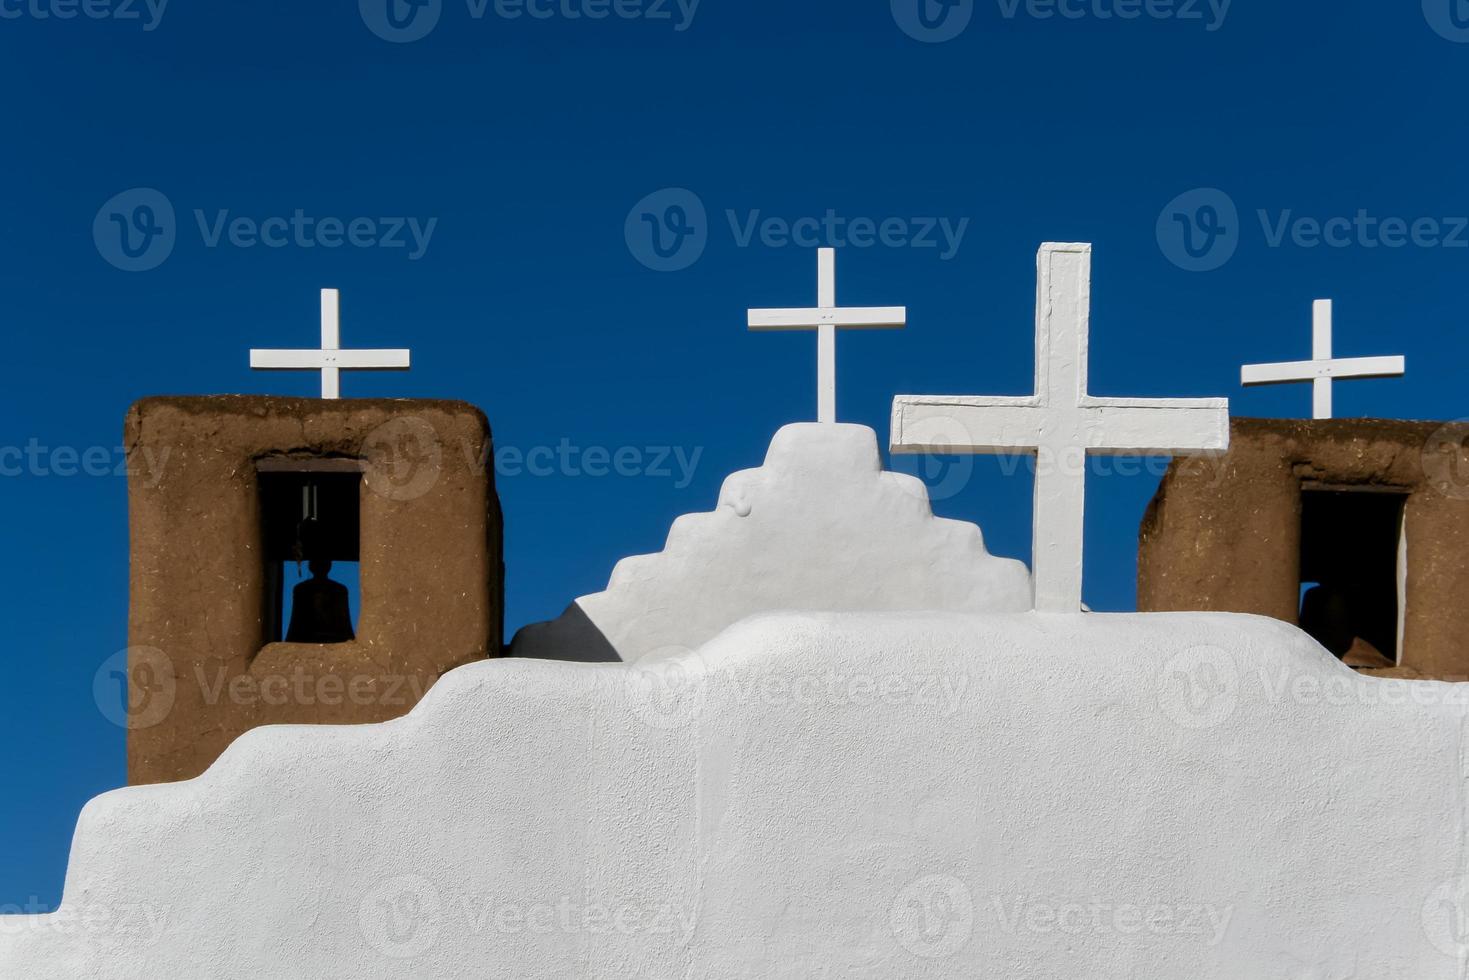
(916, 795)
(820, 527)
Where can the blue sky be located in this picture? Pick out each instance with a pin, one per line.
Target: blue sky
(519, 147)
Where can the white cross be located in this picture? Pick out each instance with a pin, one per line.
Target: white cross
(1322, 369)
(1060, 424)
(826, 319)
(331, 360)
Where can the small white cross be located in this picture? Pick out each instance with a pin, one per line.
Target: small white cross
(826, 319)
(1322, 369)
(1060, 424)
(331, 360)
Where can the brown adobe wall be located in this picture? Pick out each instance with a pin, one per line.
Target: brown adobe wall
(431, 577)
(1223, 533)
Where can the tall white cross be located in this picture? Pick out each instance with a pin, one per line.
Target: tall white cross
(331, 360)
(1322, 369)
(826, 319)
(1060, 424)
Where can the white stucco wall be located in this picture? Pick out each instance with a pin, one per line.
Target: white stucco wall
(902, 795)
(820, 527)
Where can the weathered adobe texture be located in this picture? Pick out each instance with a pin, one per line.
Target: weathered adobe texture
(201, 671)
(1224, 533)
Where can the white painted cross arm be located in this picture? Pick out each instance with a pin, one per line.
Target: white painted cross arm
(1323, 368)
(1061, 424)
(346, 360)
(1341, 367)
(826, 318)
(998, 425)
(331, 360)
(849, 318)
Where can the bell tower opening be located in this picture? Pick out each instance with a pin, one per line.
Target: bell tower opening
(1353, 562)
(311, 531)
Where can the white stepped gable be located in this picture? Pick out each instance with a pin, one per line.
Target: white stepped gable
(819, 527)
(900, 795)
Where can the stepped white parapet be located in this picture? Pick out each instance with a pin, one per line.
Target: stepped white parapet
(819, 527)
(915, 795)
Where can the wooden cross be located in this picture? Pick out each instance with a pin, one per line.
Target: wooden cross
(1322, 369)
(826, 319)
(330, 360)
(1060, 424)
